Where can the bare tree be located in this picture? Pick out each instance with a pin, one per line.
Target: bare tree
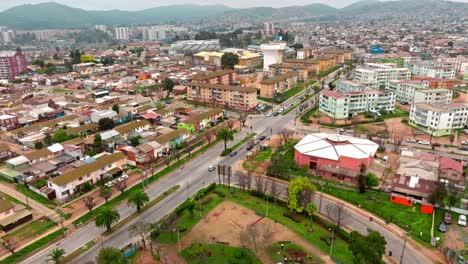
(274, 190)
(105, 193)
(141, 229)
(177, 154)
(397, 141)
(230, 124)
(89, 202)
(259, 183)
(248, 180)
(285, 136)
(208, 136)
(242, 119)
(9, 246)
(167, 161)
(121, 185)
(337, 213)
(250, 237)
(188, 149)
(414, 132)
(242, 179)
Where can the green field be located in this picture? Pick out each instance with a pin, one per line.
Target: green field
(31, 229)
(199, 253)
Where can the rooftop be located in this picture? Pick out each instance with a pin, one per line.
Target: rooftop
(225, 87)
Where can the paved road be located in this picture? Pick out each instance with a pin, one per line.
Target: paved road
(195, 175)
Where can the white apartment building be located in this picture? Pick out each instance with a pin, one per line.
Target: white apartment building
(410, 93)
(375, 74)
(439, 120)
(344, 86)
(440, 70)
(122, 33)
(345, 105)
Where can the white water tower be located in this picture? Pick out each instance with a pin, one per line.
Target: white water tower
(272, 53)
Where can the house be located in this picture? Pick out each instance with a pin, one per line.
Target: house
(8, 122)
(10, 219)
(134, 126)
(39, 155)
(5, 152)
(451, 172)
(336, 157)
(111, 140)
(165, 112)
(69, 183)
(143, 153)
(98, 115)
(82, 130)
(201, 121)
(171, 140)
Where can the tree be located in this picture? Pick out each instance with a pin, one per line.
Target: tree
(97, 143)
(188, 149)
(48, 139)
(452, 138)
(106, 123)
(135, 141)
(86, 58)
(311, 209)
(362, 178)
(105, 193)
(371, 180)
(191, 204)
(141, 229)
(229, 60)
(56, 256)
(38, 145)
(300, 194)
(168, 85)
(89, 202)
(439, 194)
(337, 213)
(225, 134)
(138, 199)
(60, 136)
(111, 256)
(106, 217)
(116, 108)
(367, 249)
(121, 186)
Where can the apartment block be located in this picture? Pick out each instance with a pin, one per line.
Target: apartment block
(122, 33)
(345, 105)
(407, 92)
(380, 74)
(345, 86)
(430, 82)
(438, 70)
(439, 120)
(226, 77)
(269, 87)
(12, 64)
(282, 68)
(242, 98)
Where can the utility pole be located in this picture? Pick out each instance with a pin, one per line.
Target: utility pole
(404, 247)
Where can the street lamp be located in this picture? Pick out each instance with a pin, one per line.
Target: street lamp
(178, 237)
(331, 242)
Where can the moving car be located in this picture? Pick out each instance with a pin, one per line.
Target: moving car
(262, 138)
(211, 168)
(424, 142)
(447, 218)
(411, 140)
(462, 220)
(442, 227)
(232, 154)
(250, 147)
(463, 148)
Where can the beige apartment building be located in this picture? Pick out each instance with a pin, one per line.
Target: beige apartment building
(242, 98)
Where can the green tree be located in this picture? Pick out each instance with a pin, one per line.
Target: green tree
(168, 85)
(56, 256)
(138, 199)
(97, 143)
(105, 193)
(371, 180)
(229, 60)
(60, 136)
(38, 145)
(39, 63)
(116, 108)
(111, 256)
(106, 123)
(367, 249)
(362, 179)
(86, 58)
(48, 139)
(106, 217)
(225, 134)
(300, 194)
(135, 141)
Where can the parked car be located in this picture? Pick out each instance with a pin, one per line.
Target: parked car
(424, 142)
(301, 97)
(123, 177)
(275, 113)
(268, 114)
(211, 168)
(462, 220)
(262, 138)
(418, 133)
(256, 141)
(465, 142)
(448, 218)
(232, 154)
(435, 144)
(463, 148)
(442, 227)
(250, 147)
(109, 184)
(340, 130)
(281, 110)
(411, 140)
(24, 148)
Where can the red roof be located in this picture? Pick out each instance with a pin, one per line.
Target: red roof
(448, 163)
(333, 94)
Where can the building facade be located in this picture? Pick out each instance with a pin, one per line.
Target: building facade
(279, 84)
(12, 64)
(408, 92)
(242, 98)
(379, 74)
(439, 120)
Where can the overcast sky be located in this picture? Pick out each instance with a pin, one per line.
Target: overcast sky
(143, 4)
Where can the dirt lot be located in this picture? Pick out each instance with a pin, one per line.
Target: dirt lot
(228, 222)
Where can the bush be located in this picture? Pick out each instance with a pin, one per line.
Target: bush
(226, 152)
(404, 121)
(295, 217)
(219, 193)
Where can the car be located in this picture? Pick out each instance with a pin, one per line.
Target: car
(110, 183)
(340, 130)
(281, 110)
(349, 131)
(424, 142)
(262, 138)
(465, 142)
(275, 113)
(211, 168)
(447, 218)
(123, 177)
(411, 140)
(233, 153)
(442, 227)
(462, 220)
(250, 147)
(308, 90)
(255, 137)
(268, 114)
(24, 148)
(463, 148)
(301, 97)
(435, 144)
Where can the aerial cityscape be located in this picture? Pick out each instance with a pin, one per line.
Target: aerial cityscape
(234, 132)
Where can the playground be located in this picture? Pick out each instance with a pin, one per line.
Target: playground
(234, 225)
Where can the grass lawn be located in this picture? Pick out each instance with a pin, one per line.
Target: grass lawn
(199, 253)
(261, 156)
(30, 229)
(397, 113)
(184, 221)
(362, 129)
(292, 252)
(305, 118)
(281, 97)
(59, 90)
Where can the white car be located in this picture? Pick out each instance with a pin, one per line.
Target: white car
(465, 142)
(109, 184)
(255, 137)
(340, 130)
(123, 177)
(411, 140)
(423, 142)
(462, 220)
(268, 114)
(281, 110)
(24, 148)
(211, 168)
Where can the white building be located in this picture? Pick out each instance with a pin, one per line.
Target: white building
(345, 86)
(440, 70)
(98, 115)
(410, 93)
(122, 33)
(272, 53)
(101, 27)
(439, 120)
(375, 74)
(345, 105)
